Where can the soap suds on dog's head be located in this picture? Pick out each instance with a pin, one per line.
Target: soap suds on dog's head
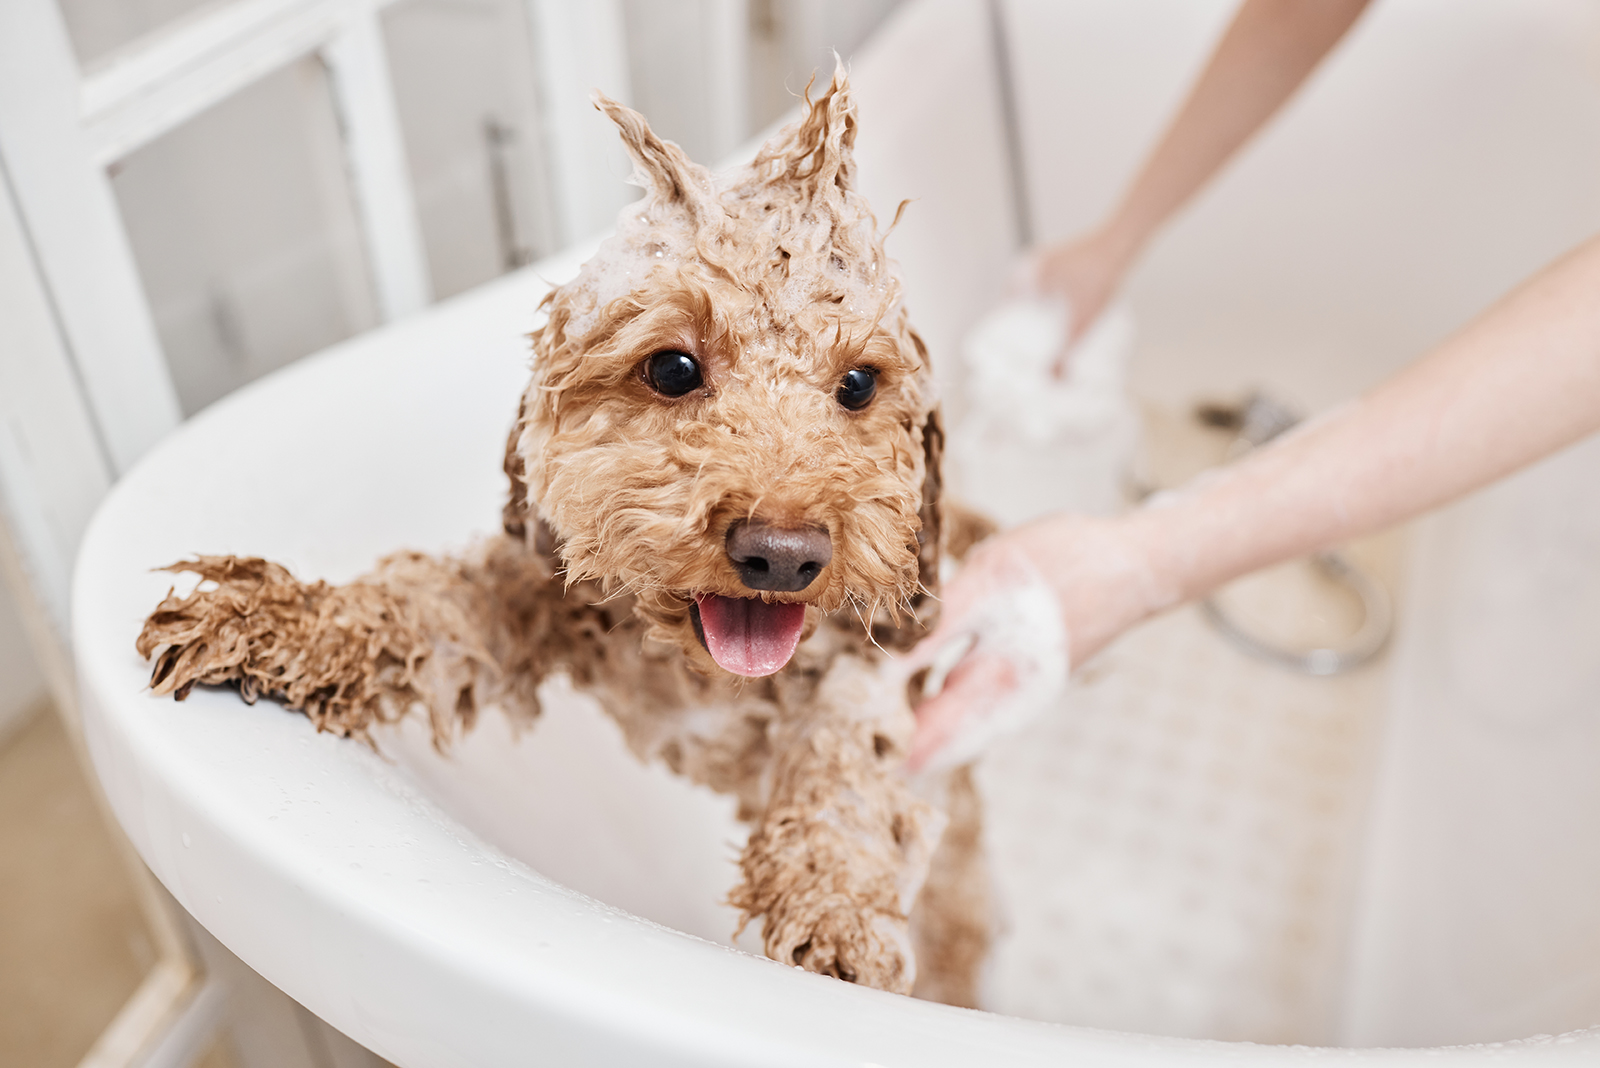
(788, 223)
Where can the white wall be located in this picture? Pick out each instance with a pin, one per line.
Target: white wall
(1443, 152)
(1479, 920)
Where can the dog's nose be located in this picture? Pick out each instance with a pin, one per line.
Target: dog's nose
(783, 559)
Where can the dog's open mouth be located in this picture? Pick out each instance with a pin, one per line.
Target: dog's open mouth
(746, 635)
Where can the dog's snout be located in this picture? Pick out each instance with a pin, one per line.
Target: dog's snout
(783, 559)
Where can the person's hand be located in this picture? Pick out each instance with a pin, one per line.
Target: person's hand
(1085, 272)
(1093, 570)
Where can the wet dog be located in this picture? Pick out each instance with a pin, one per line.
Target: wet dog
(725, 507)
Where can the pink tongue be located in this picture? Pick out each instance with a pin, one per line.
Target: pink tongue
(748, 636)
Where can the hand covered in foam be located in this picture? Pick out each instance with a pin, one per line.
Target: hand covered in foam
(1023, 604)
(1084, 273)
(999, 663)
(1010, 354)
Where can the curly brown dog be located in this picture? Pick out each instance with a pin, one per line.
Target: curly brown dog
(725, 506)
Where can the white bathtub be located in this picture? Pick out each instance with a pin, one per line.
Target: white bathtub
(546, 900)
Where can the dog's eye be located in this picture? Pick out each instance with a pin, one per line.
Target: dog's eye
(672, 374)
(857, 388)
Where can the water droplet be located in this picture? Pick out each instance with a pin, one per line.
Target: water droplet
(186, 839)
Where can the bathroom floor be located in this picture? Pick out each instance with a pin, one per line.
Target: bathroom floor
(73, 944)
(1175, 846)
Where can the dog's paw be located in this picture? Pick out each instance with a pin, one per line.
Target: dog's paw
(842, 939)
(346, 656)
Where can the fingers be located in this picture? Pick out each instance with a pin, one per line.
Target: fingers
(974, 688)
(991, 566)
(953, 626)
(925, 652)
(1058, 366)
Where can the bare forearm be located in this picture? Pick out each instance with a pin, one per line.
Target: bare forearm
(1267, 52)
(1514, 386)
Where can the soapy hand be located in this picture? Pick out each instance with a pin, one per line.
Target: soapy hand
(1085, 272)
(999, 661)
(1022, 603)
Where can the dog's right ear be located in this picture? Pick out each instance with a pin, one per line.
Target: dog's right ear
(518, 518)
(660, 167)
(514, 517)
(817, 155)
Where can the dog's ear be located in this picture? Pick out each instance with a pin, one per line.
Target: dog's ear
(931, 537)
(514, 517)
(660, 167)
(517, 518)
(818, 154)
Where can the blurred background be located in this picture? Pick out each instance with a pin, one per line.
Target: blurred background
(1203, 843)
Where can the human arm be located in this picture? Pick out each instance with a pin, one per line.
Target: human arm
(1517, 384)
(1266, 53)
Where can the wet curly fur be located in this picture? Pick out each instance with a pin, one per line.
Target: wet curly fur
(774, 279)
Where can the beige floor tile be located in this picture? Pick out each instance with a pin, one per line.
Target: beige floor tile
(73, 946)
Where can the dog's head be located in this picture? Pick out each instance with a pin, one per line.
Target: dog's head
(730, 417)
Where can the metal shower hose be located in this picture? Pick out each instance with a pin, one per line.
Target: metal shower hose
(1261, 420)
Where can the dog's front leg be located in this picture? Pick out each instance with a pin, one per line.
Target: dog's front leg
(447, 635)
(842, 849)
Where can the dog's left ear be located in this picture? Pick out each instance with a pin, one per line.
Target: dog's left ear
(931, 549)
(930, 539)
